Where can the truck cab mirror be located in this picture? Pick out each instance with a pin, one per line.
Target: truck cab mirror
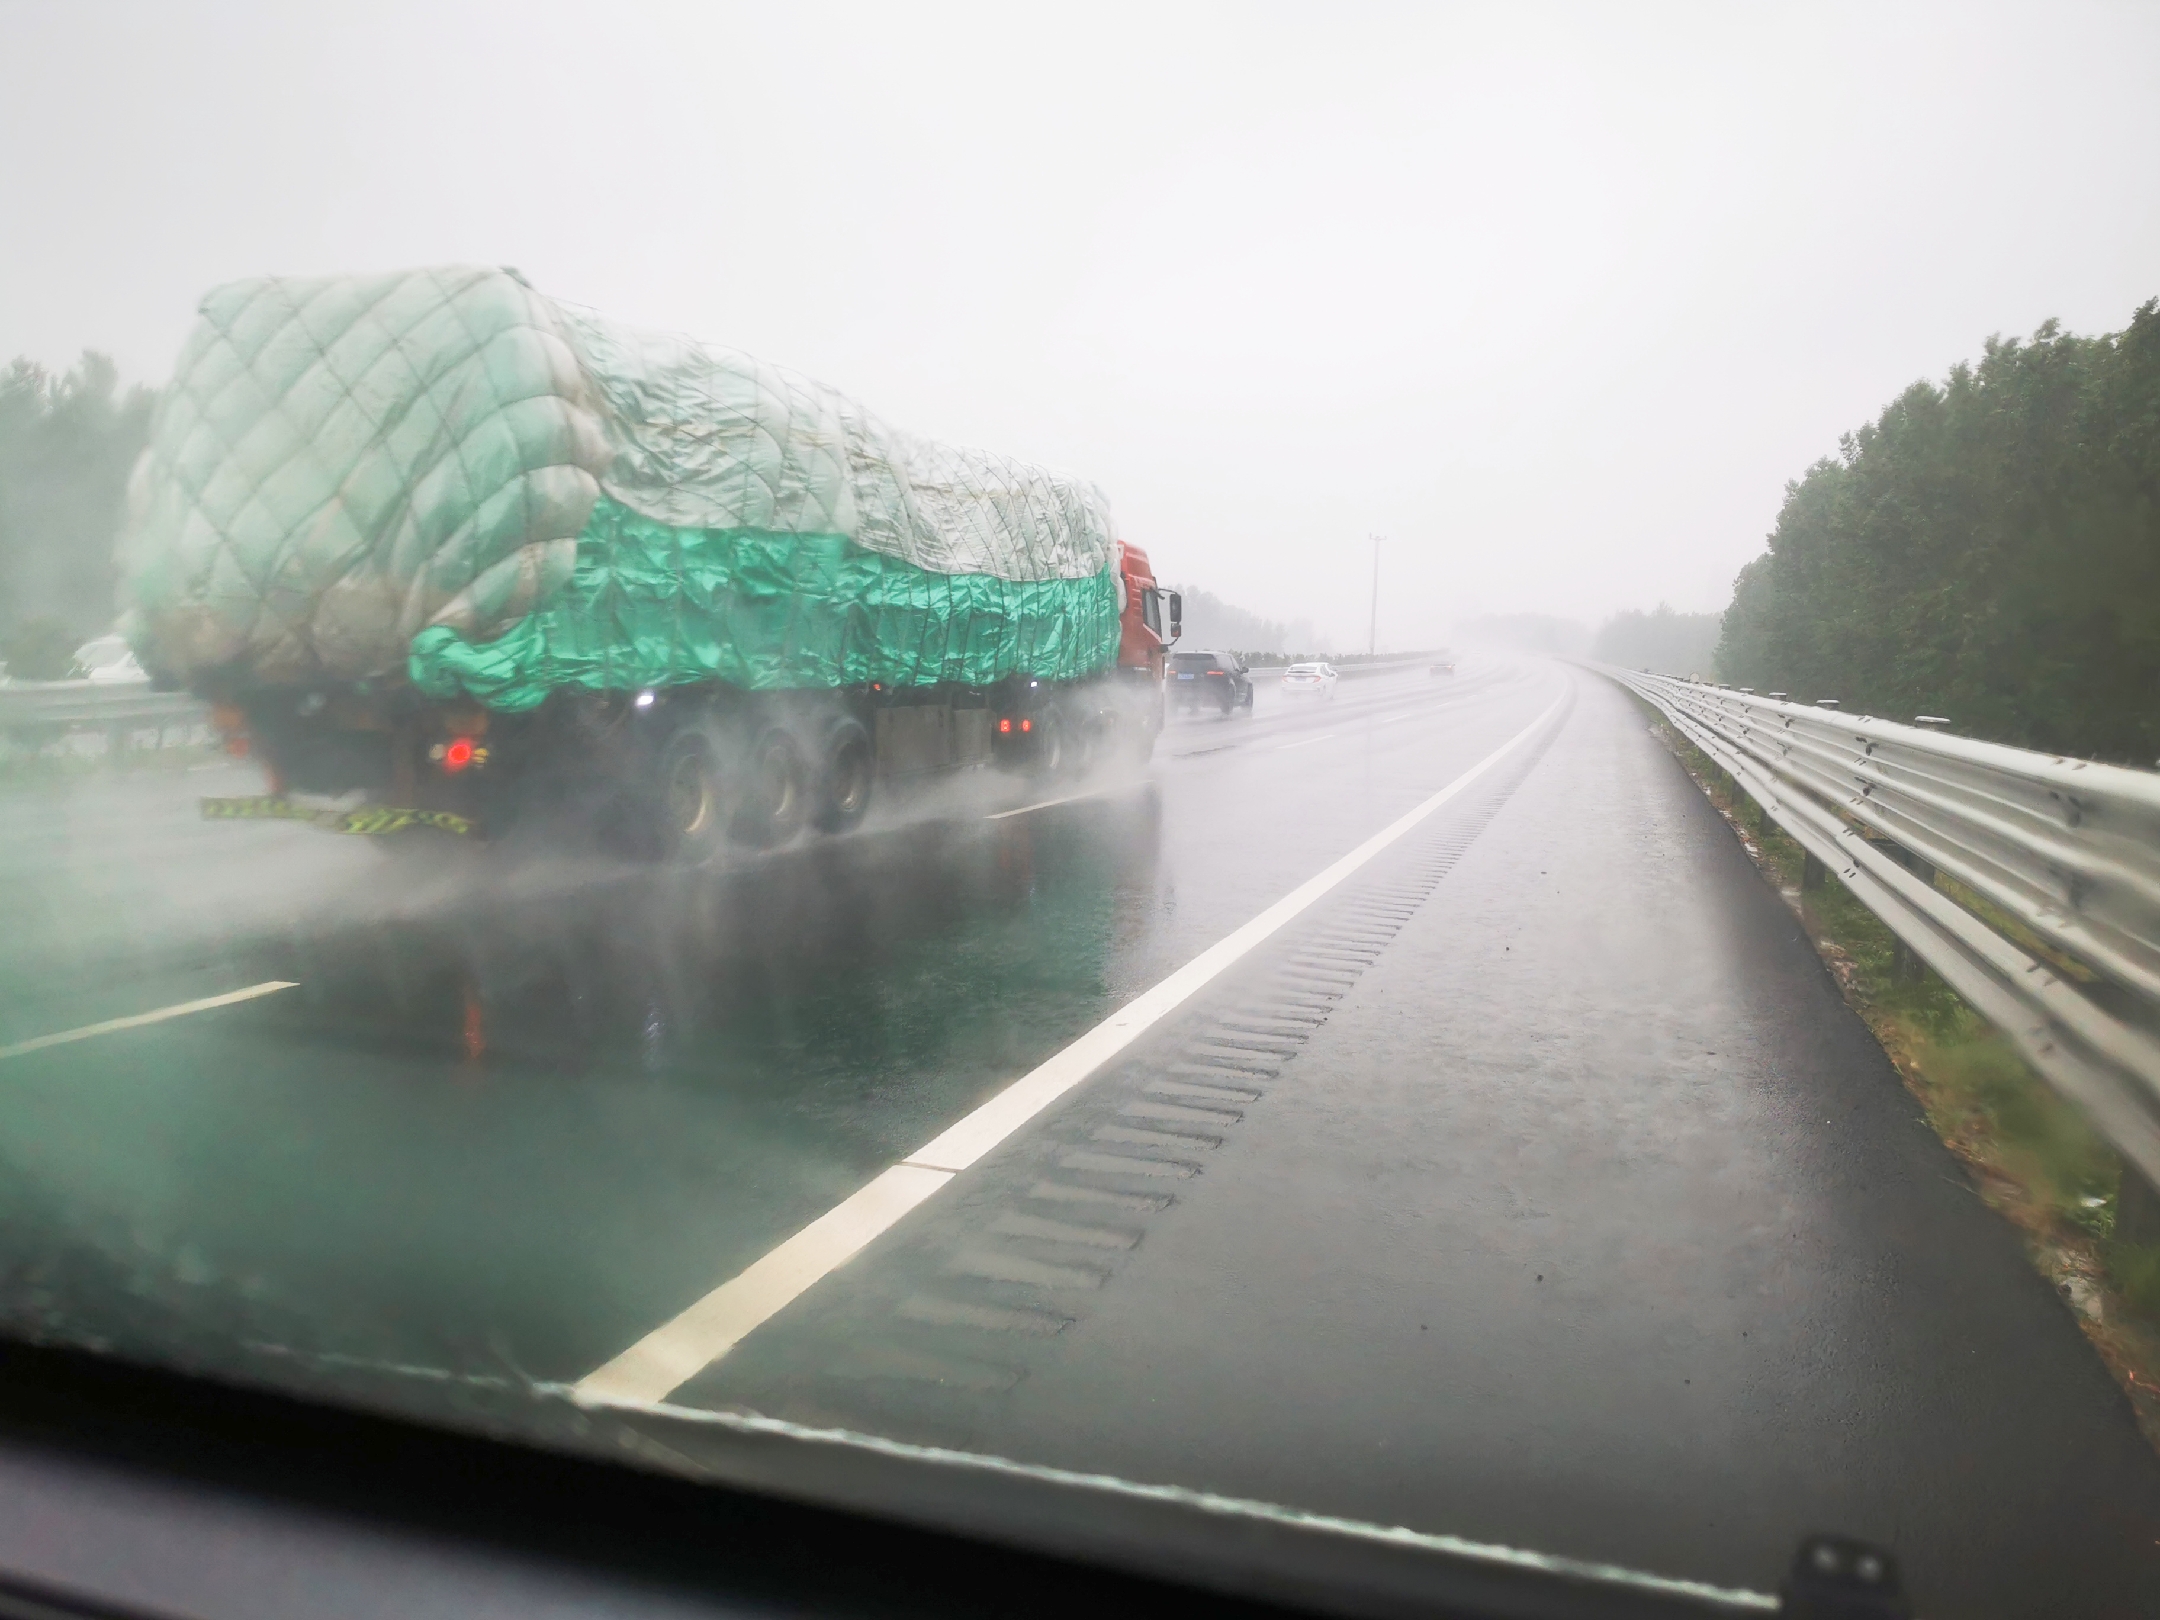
(1177, 615)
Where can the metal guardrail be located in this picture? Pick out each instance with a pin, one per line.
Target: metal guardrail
(2068, 850)
(36, 715)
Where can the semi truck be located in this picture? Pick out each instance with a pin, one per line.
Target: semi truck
(445, 553)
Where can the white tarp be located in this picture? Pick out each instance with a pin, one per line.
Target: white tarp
(342, 462)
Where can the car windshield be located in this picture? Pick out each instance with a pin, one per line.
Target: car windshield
(607, 839)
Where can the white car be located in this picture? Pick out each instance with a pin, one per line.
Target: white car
(108, 661)
(1309, 680)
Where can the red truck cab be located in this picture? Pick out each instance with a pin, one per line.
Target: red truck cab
(1148, 616)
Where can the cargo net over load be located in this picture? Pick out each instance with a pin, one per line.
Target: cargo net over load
(442, 477)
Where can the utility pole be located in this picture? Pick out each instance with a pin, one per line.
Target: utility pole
(1372, 635)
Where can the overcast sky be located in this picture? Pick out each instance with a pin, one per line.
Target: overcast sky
(1554, 298)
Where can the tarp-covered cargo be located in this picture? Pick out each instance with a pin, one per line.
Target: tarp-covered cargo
(442, 475)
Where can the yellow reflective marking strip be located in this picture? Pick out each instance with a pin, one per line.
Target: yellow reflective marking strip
(370, 821)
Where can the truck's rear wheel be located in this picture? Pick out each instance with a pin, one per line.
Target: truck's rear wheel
(1086, 746)
(776, 791)
(1050, 750)
(846, 775)
(692, 780)
(1136, 738)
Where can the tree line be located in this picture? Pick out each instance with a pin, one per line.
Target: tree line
(1662, 641)
(1988, 549)
(67, 443)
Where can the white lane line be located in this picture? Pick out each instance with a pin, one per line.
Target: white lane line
(1323, 737)
(137, 1020)
(673, 1353)
(671, 1356)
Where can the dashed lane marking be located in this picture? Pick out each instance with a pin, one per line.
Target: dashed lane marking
(1016, 1224)
(138, 1020)
(1305, 743)
(1066, 1192)
(1180, 1114)
(1118, 1164)
(1202, 1092)
(994, 1266)
(938, 1312)
(676, 1351)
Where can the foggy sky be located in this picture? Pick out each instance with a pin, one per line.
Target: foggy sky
(1556, 298)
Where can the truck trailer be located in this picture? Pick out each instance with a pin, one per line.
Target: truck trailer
(445, 553)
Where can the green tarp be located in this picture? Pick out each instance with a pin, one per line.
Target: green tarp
(652, 606)
(444, 474)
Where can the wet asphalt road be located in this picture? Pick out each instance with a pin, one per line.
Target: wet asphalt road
(1536, 1188)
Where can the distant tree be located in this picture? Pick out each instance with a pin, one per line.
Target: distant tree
(39, 649)
(1212, 622)
(1661, 640)
(67, 443)
(1988, 550)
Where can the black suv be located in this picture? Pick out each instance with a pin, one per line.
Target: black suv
(1214, 680)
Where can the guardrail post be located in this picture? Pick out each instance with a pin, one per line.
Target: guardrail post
(1905, 962)
(1813, 874)
(2137, 1209)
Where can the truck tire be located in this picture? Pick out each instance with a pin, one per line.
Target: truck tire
(775, 801)
(1051, 753)
(691, 802)
(1136, 738)
(1085, 746)
(847, 771)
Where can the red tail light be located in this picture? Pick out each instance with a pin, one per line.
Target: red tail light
(458, 755)
(1004, 725)
(230, 723)
(1027, 725)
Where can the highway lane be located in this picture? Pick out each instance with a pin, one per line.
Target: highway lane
(1535, 1187)
(117, 890)
(1579, 1214)
(512, 1115)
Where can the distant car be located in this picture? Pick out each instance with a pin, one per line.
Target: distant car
(1444, 667)
(1309, 680)
(1209, 680)
(109, 661)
